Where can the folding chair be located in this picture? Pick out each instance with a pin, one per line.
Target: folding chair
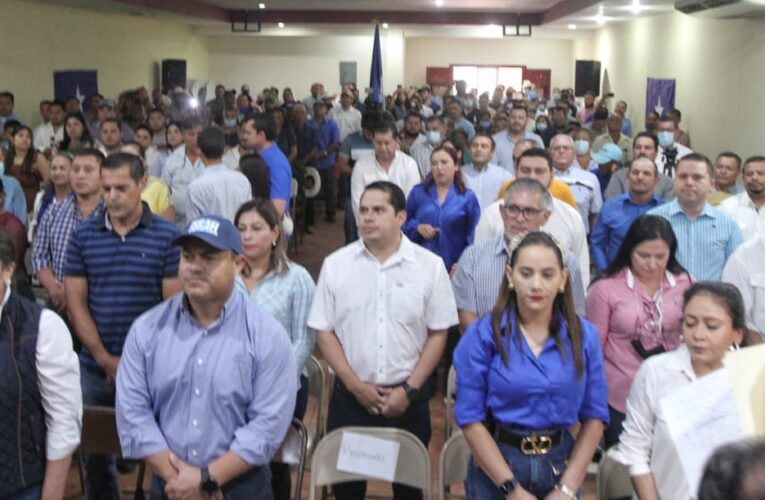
(452, 464)
(451, 394)
(412, 469)
(317, 379)
(613, 480)
(99, 435)
(293, 452)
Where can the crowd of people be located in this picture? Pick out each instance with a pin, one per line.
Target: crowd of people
(574, 269)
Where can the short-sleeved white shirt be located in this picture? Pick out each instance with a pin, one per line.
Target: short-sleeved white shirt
(403, 172)
(744, 270)
(381, 313)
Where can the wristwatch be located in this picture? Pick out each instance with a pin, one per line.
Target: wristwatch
(509, 486)
(209, 484)
(411, 392)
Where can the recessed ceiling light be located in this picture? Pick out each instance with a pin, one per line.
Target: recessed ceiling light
(636, 8)
(572, 26)
(261, 6)
(385, 26)
(281, 25)
(439, 3)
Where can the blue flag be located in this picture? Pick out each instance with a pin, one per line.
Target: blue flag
(660, 95)
(82, 84)
(375, 75)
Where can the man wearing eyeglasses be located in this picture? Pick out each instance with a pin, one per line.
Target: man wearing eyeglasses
(527, 207)
(584, 184)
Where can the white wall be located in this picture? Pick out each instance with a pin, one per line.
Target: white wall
(37, 39)
(297, 62)
(536, 53)
(719, 66)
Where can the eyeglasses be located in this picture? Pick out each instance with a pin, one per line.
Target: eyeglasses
(561, 148)
(528, 212)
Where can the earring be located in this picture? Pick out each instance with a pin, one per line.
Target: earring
(734, 347)
(562, 288)
(273, 244)
(510, 285)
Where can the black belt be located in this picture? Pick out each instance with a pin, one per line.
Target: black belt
(530, 444)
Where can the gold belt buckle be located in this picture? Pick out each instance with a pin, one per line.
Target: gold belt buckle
(536, 445)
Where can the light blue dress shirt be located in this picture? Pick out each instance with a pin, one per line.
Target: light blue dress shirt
(531, 392)
(287, 297)
(201, 392)
(504, 146)
(486, 183)
(586, 189)
(15, 202)
(704, 244)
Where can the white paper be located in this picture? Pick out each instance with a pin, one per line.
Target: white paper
(369, 456)
(701, 417)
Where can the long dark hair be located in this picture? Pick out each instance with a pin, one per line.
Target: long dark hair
(726, 295)
(86, 141)
(28, 164)
(563, 306)
(459, 182)
(645, 228)
(279, 262)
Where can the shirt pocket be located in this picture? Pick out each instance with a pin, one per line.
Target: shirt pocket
(407, 302)
(233, 380)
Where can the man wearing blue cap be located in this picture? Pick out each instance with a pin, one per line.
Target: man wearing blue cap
(608, 161)
(620, 212)
(205, 389)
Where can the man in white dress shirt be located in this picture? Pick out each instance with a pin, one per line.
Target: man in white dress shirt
(381, 310)
(387, 164)
(564, 223)
(583, 184)
(482, 176)
(746, 208)
(347, 117)
(744, 269)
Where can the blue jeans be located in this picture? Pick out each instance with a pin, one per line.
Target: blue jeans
(254, 485)
(32, 493)
(100, 470)
(538, 474)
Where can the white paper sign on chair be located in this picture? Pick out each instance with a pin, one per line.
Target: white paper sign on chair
(369, 456)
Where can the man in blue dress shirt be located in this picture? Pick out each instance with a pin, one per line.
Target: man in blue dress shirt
(620, 212)
(206, 386)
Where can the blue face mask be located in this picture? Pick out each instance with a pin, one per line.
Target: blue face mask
(2, 168)
(581, 147)
(541, 126)
(229, 122)
(485, 124)
(434, 136)
(666, 139)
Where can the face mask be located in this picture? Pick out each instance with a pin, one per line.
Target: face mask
(2, 168)
(581, 147)
(666, 139)
(556, 97)
(229, 122)
(541, 126)
(485, 124)
(434, 136)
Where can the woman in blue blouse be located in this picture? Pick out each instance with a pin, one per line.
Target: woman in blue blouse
(281, 288)
(441, 212)
(527, 374)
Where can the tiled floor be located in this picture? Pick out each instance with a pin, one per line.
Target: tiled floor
(325, 239)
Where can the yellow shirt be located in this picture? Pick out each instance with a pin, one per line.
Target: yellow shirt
(559, 189)
(156, 195)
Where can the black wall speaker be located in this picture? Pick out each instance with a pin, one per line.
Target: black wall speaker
(587, 78)
(173, 74)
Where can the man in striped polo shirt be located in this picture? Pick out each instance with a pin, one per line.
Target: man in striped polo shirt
(119, 264)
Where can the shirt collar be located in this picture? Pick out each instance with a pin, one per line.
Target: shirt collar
(654, 199)
(681, 361)
(145, 220)
(6, 296)
(229, 305)
(405, 251)
(675, 208)
(670, 279)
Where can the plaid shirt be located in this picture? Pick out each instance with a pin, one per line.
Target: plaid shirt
(52, 236)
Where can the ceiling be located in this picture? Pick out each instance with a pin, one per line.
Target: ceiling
(403, 5)
(465, 18)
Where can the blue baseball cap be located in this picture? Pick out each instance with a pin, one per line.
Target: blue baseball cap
(607, 154)
(213, 230)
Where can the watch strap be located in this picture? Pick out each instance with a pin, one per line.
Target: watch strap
(509, 486)
(411, 392)
(209, 484)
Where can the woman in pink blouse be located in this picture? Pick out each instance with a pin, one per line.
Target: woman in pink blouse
(637, 306)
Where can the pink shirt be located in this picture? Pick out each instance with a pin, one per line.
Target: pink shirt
(623, 312)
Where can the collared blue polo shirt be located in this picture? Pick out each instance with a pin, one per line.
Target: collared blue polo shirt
(124, 274)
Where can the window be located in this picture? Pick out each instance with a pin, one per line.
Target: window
(486, 78)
